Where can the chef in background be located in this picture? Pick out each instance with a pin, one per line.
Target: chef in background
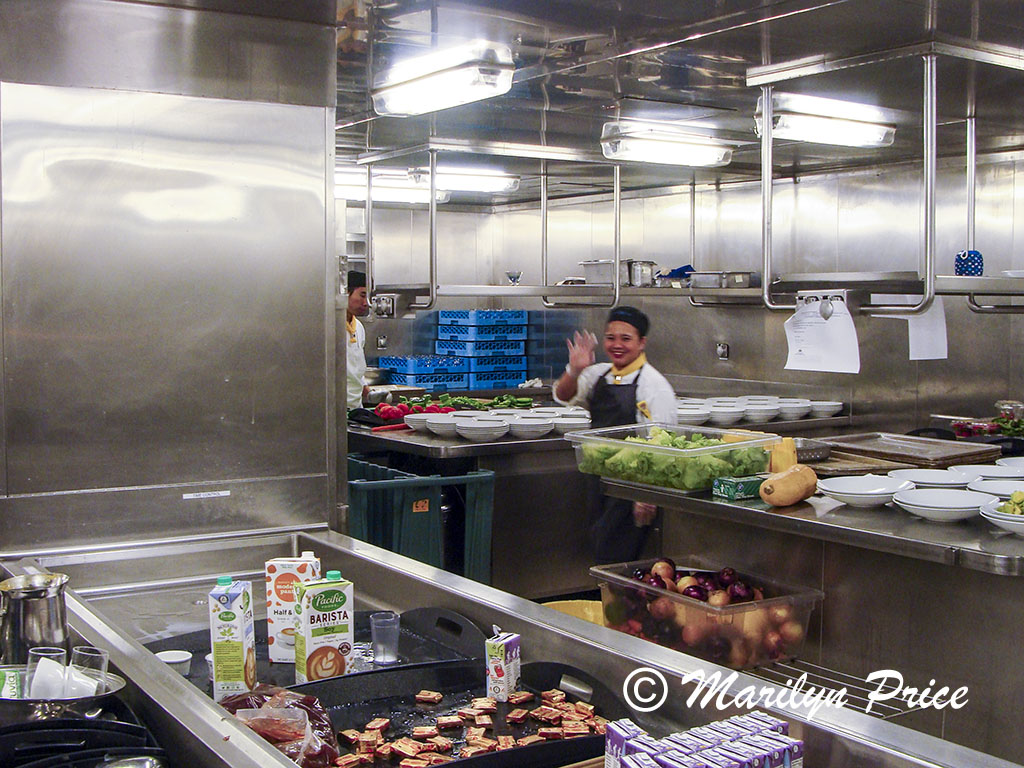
(629, 390)
(358, 306)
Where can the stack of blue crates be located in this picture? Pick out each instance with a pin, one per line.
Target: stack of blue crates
(435, 373)
(491, 342)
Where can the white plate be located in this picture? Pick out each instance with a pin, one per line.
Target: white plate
(932, 478)
(692, 418)
(565, 424)
(1011, 461)
(530, 426)
(726, 416)
(441, 424)
(794, 401)
(825, 408)
(1000, 488)
(418, 421)
(791, 413)
(1013, 526)
(989, 471)
(942, 505)
(482, 432)
(863, 491)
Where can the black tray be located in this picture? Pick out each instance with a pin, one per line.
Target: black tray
(29, 742)
(427, 635)
(354, 700)
(94, 758)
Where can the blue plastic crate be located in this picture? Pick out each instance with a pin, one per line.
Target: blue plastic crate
(417, 364)
(479, 348)
(432, 382)
(482, 317)
(496, 380)
(482, 332)
(496, 363)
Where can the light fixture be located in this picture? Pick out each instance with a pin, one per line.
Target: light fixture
(389, 186)
(661, 143)
(468, 179)
(444, 78)
(826, 121)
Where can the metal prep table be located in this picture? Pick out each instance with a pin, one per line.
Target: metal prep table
(204, 737)
(931, 600)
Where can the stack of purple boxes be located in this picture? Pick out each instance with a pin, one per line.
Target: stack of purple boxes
(754, 740)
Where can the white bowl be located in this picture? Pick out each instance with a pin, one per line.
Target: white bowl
(825, 408)
(179, 661)
(482, 430)
(418, 421)
(992, 508)
(760, 399)
(506, 412)
(700, 402)
(1011, 461)
(941, 505)
(794, 401)
(759, 414)
(989, 471)
(529, 426)
(725, 415)
(932, 478)
(1013, 526)
(565, 424)
(864, 490)
(792, 413)
(693, 416)
(467, 414)
(441, 424)
(713, 401)
(1000, 488)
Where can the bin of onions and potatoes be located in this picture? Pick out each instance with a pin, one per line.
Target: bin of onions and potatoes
(736, 619)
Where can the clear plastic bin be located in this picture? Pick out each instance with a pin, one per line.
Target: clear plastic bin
(607, 453)
(739, 635)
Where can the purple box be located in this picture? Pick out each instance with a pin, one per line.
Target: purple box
(773, 722)
(675, 758)
(749, 724)
(616, 735)
(715, 758)
(709, 734)
(727, 729)
(638, 760)
(751, 757)
(794, 748)
(645, 744)
(688, 743)
(774, 753)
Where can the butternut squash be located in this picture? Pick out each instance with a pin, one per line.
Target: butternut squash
(783, 489)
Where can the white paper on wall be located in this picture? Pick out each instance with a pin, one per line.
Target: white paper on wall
(926, 332)
(817, 344)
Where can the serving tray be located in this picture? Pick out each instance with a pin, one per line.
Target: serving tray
(926, 452)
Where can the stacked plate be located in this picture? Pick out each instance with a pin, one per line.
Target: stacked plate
(1011, 461)
(863, 490)
(792, 408)
(441, 424)
(932, 478)
(693, 414)
(483, 429)
(989, 472)
(418, 421)
(942, 505)
(527, 425)
(571, 423)
(1012, 523)
(824, 408)
(724, 414)
(1001, 488)
(760, 411)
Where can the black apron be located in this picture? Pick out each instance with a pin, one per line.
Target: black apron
(615, 537)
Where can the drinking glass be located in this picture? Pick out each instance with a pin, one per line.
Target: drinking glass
(87, 672)
(384, 628)
(44, 677)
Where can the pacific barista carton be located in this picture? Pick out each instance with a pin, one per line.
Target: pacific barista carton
(282, 574)
(502, 665)
(323, 628)
(232, 638)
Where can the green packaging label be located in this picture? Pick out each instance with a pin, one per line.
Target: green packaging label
(10, 684)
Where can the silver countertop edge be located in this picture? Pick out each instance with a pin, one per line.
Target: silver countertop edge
(974, 544)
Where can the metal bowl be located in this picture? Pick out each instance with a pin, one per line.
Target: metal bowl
(13, 711)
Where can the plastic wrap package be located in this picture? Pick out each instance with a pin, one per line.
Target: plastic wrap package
(311, 744)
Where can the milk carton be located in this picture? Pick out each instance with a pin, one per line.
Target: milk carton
(324, 620)
(283, 573)
(502, 665)
(232, 638)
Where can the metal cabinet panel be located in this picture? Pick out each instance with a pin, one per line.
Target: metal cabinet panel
(163, 291)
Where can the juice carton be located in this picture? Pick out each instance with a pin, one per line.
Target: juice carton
(283, 573)
(324, 623)
(232, 638)
(502, 653)
(616, 735)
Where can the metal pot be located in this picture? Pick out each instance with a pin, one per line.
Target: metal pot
(32, 613)
(13, 711)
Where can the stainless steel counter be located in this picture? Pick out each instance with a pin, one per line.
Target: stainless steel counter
(204, 736)
(974, 544)
(431, 446)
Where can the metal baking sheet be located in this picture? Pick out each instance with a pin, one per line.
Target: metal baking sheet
(840, 463)
(916, 451)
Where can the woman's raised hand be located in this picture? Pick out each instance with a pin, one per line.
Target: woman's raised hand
(581, 351)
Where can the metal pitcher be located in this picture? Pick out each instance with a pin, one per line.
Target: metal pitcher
(32, 613)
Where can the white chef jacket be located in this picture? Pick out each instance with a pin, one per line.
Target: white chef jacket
(652, 389)
(355, 366)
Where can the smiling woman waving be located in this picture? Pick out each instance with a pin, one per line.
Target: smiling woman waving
(626, 391)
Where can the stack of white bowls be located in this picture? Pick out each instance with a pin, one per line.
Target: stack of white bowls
(942, 505)
(441, 424)
(723, 414)
(418, 421)
(932, 478)
(824, 408)
(759, 408)
(793, 408)
(863, 490)
(571, 423)
(693, 414)
(1012, 523)
(1000, 488)
(483, 429)
(528, 425)
(1011, 461)
(989, 471)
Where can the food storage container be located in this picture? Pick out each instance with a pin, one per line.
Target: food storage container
(739, 635)
(600, 271)
(641, 273)
(671, 462)
(706, 279)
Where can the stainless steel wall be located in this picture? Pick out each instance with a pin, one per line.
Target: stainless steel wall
(167, 265)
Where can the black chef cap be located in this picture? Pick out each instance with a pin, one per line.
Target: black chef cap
(630, 315)
(356, 280)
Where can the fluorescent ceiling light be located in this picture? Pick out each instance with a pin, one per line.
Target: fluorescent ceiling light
(666, 144)
(827, 121)
(468, 179)
(388, 187)
(445, 78)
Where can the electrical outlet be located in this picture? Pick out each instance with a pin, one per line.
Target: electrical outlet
(384, 304)
(722, 350)
(382, 342)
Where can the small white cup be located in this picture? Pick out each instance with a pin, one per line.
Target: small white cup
(179, 661)
(209, 667)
